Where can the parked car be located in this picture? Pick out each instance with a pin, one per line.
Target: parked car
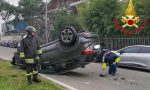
(70, 51)
(14, 44)
(1, 43)
(136, 56)
(5, 43)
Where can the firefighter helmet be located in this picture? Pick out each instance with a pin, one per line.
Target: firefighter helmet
(30, 29)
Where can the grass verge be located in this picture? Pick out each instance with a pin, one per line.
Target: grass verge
(12, 78)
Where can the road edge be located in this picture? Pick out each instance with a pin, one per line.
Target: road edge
(58, 82)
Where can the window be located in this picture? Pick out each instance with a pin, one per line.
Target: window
(134, 49)
(145, 50)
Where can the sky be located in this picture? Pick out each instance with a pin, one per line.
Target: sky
(13, 2)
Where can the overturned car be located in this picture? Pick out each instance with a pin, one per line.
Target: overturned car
(70, 51)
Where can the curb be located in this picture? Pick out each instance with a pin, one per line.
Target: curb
(58, 82)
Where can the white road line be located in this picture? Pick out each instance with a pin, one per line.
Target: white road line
(58, 82)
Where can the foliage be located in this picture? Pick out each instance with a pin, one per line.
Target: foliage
(29, 9)
(83, 11)
(102, 15)
(143, 10)
(6, 11)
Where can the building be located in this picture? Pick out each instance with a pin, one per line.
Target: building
(11, 29)
(57, 4)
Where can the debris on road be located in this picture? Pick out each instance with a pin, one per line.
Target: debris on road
(102, 75)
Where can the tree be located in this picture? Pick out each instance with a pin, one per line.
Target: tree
(29, 9)
(102, 15)
(143, 10)
(83, 11)
(6, 12)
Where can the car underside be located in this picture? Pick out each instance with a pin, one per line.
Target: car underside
(70, 51)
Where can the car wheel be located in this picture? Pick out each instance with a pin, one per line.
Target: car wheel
(13, 62)
(68, 35)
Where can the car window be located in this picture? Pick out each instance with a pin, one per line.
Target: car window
(145, 50)
(134, 49)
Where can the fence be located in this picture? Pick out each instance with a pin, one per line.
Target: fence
(10, 37)
(118, 42)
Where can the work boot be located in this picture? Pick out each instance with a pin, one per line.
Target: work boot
(29, 80)
(35, 79)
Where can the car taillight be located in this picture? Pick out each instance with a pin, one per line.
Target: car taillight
(88, 51)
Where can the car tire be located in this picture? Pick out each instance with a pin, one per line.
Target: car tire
(68, 35)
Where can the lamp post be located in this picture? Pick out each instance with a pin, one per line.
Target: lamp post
(46, 30)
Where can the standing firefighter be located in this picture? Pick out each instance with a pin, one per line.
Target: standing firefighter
(30, 52)
(110, 59)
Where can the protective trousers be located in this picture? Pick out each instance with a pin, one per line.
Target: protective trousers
(31, 69)
(112, 69)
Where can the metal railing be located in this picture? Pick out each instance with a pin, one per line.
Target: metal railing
(118, 42)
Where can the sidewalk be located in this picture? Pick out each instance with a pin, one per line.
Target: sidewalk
(6, 53)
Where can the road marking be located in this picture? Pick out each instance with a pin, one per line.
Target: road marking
(58, 82)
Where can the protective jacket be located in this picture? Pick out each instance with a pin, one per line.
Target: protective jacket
(30, 49)
(110, 58)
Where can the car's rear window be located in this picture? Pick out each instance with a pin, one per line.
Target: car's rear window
(134, 49)
(145, 50)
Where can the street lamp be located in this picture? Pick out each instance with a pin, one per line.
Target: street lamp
(46, 30)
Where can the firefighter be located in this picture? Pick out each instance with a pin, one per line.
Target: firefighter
(30, 52)
(110, 59)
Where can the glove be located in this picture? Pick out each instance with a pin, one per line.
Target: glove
(117, 60)
(104, 65)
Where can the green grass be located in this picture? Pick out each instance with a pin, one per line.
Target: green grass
(12, 78)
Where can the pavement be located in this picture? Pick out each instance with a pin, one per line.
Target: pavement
(88, 78)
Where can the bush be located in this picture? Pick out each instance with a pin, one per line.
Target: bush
(102, 15)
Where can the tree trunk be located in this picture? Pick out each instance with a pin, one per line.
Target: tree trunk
(7, 28)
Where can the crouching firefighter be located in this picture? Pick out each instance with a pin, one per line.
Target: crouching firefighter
(110, 59)
(30, 52)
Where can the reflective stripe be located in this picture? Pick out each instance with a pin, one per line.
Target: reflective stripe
(29, 60)
(35, 72)
(39, 51)
(28, 74)
(118, 60)
(22, 54)
(104, 65)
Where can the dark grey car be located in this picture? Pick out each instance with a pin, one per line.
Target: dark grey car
(70, 51)
(137, 56)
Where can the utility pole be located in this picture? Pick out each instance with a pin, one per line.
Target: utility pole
(46, 30)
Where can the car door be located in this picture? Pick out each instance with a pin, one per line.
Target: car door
(144, 56)
(130, 55)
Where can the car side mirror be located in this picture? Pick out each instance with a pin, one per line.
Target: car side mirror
(121, 52)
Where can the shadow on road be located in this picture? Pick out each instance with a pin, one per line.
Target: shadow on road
(71, 73)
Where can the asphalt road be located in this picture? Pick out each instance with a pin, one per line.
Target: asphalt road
(88, 78)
